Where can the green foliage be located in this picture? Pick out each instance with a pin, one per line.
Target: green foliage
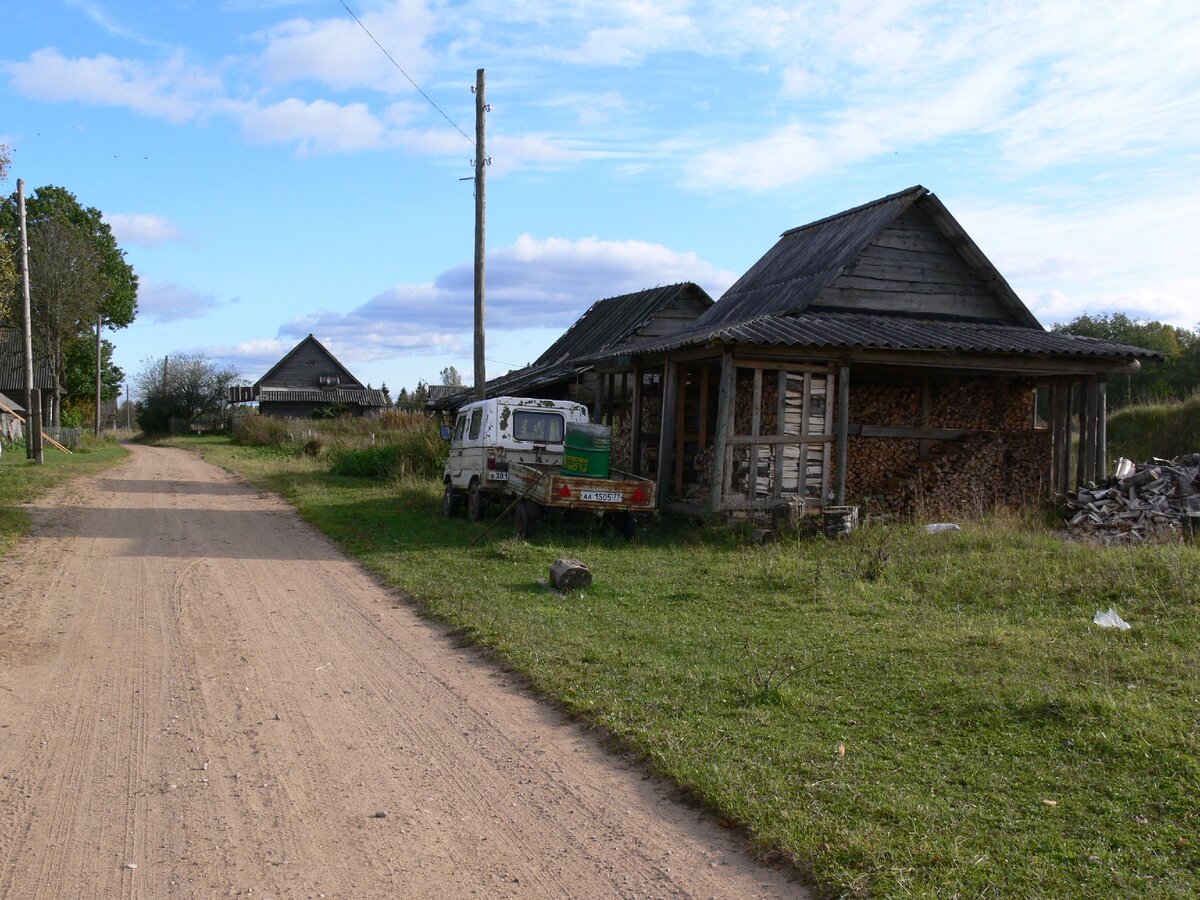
(419, 453)
(1177, 377)
(1164, 430)
(960, 674)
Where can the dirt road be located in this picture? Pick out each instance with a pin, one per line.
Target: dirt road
(199, 697)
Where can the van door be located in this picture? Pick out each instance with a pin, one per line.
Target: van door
(473, 445)
(456, 451)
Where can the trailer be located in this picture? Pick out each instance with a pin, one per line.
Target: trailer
(543, 491)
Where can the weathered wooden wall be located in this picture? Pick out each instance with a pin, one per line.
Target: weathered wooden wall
(305, 367)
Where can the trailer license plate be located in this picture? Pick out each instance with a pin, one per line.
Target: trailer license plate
(601, 496)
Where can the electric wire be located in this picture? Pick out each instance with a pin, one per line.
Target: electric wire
(400, 69)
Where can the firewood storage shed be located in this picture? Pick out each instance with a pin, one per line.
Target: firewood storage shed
(877, 357)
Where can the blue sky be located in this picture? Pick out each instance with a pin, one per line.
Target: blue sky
(270, 173)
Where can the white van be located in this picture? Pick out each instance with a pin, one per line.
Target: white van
(488, 434)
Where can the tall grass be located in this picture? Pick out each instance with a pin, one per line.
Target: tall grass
(1165, 430)
(394, 445)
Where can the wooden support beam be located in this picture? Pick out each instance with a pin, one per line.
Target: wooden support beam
(1083, 462)
(720, 464)
(843, 424)
(680, 426)
(635, 423)
(1102, 428)
(666, 431)
(780, 431)
(755, 430)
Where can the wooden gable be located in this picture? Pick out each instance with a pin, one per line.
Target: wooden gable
(309, 366)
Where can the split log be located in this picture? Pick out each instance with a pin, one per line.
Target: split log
(570, 575)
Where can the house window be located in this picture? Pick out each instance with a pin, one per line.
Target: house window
(328, 380)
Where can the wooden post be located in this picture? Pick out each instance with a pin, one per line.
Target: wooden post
(1068, 399)
(34, 423)
(1102, 428)
(1055, 438)
(666, 437)
(99, 348)
(680, 426)
(843, 433)
(805, 396)
(635, 422)
(26, 321)
(725, 398)
(480, 233)
(755, 428)
(1086, 456)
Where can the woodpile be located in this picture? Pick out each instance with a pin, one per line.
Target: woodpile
(1158, 500)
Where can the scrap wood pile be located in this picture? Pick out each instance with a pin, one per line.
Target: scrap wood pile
(1149, 501)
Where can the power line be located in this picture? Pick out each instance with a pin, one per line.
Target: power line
(400, 69)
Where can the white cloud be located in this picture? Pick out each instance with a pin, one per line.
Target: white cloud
(165, 301)
(316, 127)
(142, 228)
(171, 90)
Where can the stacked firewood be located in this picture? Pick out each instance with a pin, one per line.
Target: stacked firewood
(744, 404)
(1157, 500)
(971, 476)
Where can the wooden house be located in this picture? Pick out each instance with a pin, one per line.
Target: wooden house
(309, 381)
(12, 372)
(560, 374)
(872, 357)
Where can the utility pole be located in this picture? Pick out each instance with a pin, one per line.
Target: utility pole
(481, 162)
(30, 440)
(128, 413)
(99, 321)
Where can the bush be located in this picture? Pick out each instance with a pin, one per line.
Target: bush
(261, 431)
(415, 451)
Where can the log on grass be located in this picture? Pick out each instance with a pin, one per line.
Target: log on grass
(570, 575)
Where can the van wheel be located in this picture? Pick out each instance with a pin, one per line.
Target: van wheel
(450, 500)
(475, 501)
(525, 519)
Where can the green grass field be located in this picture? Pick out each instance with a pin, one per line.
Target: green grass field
(900, 714)
(23, 482)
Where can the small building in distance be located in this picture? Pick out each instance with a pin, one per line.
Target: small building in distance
(12, 373)
(308, 382)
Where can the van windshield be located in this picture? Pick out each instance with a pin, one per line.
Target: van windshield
(541, 427)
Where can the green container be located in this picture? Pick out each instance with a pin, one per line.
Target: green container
(587, 451)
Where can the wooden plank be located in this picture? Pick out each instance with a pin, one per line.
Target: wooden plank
(635, 423)
(914, 270)
(988, 306)
(755, 429)
(780, 431)
(1102, 428)
(915, 432)
(774, 440)
(805, 437)
(725, 403)
(666, 438)
(894, 285)
(843, 424)
(680, 427)
(826, 448)
(787, 365)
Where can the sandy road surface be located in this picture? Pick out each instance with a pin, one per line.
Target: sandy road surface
(199, 697)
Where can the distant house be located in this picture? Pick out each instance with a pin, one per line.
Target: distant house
(874, 356)
(562, 372)
(12, 371)
(309, 381)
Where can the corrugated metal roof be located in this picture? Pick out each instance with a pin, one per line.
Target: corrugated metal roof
(606, 324)
(364, 397)
(609, 321)
(12, 365)
(855, 331)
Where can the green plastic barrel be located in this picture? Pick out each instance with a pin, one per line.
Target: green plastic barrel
(587, 451)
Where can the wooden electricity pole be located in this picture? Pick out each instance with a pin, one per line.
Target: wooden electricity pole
(31, 440)
(99, 321)
(480, 233)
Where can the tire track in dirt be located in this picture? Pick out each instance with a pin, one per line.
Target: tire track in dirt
(232, 701)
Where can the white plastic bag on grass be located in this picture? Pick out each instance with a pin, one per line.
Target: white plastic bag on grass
(1110, 619)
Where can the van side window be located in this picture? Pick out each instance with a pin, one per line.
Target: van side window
(543, 427)
(459, 427)
(476, 421)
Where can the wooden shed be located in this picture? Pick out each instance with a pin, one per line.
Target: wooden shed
(309, 381)
(560, 372)
(12, 371)
(874, 357)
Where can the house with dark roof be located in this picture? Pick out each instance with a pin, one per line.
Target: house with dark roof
(12, 371)
(310, 381)
(561, 373)
(875, 357)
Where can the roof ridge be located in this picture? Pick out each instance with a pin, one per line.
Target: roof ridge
(917, 190)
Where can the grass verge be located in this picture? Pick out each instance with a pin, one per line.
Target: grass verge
(22, 482)
(900, 713)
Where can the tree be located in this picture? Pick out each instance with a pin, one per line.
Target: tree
(387, 395)
(1177, 377)
(77, 273)
(8, 267)
(185, 387)
(79, 402)
(451, 377)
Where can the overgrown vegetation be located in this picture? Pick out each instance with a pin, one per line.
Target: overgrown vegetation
(395, 445)
(1165, 430)
(916, 715)
(22, 482)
